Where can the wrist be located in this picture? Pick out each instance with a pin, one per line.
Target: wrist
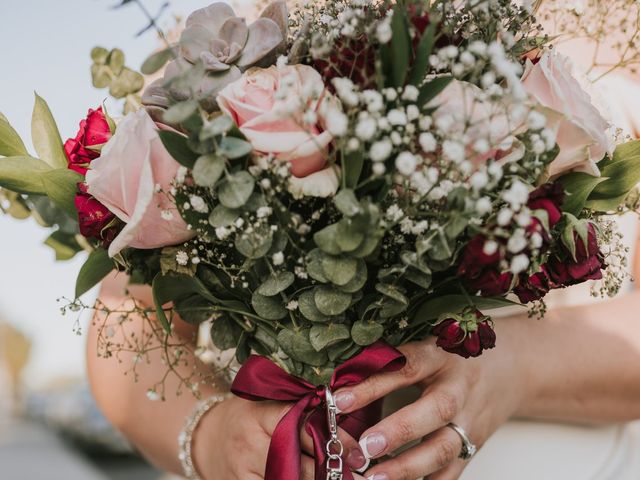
(192, 440)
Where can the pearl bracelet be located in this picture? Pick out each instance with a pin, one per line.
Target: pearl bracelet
(185, 439)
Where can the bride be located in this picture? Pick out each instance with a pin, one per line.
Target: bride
(573, 377)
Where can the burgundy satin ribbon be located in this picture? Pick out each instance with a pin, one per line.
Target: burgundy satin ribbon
(261, 379)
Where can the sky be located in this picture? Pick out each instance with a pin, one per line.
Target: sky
(44, 47)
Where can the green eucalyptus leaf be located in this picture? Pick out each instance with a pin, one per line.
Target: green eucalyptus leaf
(178, 147)
(368, 246)
(392, 308)
(100, 76)
(255, 244)
(347, 203)
(126, 83)
(326, 240)
(218, 126)
(94, 270)
(61, 186)
(11, 144)
(339, 270)
(324, 336)
(314, 265)
(331, 301)
(194, 310)
(233, 148)
(236, 190)
(207, 170)
(156, 61)
(268, 308)
(63, 244)
(349, 236)
(359, 280)
(366, 333)
(307, 306)
(180, 112)
(46, 136)
(276, 284)
(298, 346)
(116, 61)
(222, 216)
(225, 333)
(99, 55)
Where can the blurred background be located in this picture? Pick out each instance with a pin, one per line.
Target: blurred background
(48, 422)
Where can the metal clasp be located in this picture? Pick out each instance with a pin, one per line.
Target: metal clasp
(334, 448)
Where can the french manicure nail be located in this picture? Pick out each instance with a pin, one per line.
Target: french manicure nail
(373, 445)
(355, 459)
(378, 476)
(344, 400)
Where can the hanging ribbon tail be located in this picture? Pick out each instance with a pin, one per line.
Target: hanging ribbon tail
(261, 379)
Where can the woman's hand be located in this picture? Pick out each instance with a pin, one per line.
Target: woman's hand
(233, 440)
(476, 394)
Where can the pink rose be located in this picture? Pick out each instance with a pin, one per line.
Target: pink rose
(125, 179)
(583, 134)
(274, 122)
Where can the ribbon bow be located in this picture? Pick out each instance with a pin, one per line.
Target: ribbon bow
(261, 379)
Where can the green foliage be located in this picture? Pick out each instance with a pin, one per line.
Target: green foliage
(94, 270)
(46, 136)
(207, 170)
(579, 186)
(109, 71)
(65, 245)
(366, 333)
(11, 145)
(156, 61)
(236, 190)
(423, 52)
(400, 47)
(433, 88)
(432, 308)
(178, 147)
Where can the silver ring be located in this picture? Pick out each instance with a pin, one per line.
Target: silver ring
(468, 448)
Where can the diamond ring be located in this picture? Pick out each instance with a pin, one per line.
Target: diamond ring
(468, 448)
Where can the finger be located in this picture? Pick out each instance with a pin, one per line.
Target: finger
(438, 451)
(452, 472)
(413, 422)
(422, 361)
(353, 455)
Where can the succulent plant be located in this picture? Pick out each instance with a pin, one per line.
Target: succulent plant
(219, 46)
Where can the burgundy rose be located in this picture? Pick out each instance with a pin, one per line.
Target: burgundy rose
(549, 197)
(94, 131)
(482, 271)
(533, 287)
(565, 270)
(467, 335)
(352, 58)
(95, 220)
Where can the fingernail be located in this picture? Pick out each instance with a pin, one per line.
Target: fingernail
(373, 445)
(344, 400)
(378, 476)
(356, 459)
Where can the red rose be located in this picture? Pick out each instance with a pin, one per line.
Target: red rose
(534, 287)
(467, 335)
(549, 197)
(565, 270)
(481, 271)
(94, 131)
(95, 220)
(352, 58)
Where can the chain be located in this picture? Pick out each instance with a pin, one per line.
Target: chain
(335, 449)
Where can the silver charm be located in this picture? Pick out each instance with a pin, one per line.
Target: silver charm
(334, 448)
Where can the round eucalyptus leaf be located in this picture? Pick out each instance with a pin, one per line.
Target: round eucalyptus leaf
(236, 190)
(267, 307)
(116, 61)
(392, 292)
(307, 306)
(326, 240)
(99, 55)
(359, 280)
(349, 236)
(276, 283)
(323, 336)
(367, 247)
(347, 202)
(255, 244)
(222, 216)
(314, 265)
(225, 333)
(298, 346)
(232, 148)
(331, 301)
(208, 170)
(180, 112)
(339, 270)
(391, 309)
(100, 76)
(366, 333)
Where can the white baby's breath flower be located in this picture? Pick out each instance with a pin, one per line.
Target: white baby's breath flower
(391, 94)
(380, 150)
(453, 151)
(517, 241)
(277, 258)
(428, 142)
(374, 100)
(479, 180)
(411, 93)
(198, 204)
(167, 215)
(536, 120)
(383, 31)
(490, 247)
(394, 213)
(292, 305)
(517, 195)
(353, 144)
(406, 163)
(519, 264)
(182, 258)
(366, 129)
(379, 168)
(504, 217)
(396, 139)
(413, 113)
(483, 206)
(397, 117)
(222, 233)
(181, 174)
(337, 122)
(264, 212)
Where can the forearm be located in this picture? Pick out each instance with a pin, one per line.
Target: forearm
(152, 426)
(581, 363)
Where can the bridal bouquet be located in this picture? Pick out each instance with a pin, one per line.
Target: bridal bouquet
(325, 184)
